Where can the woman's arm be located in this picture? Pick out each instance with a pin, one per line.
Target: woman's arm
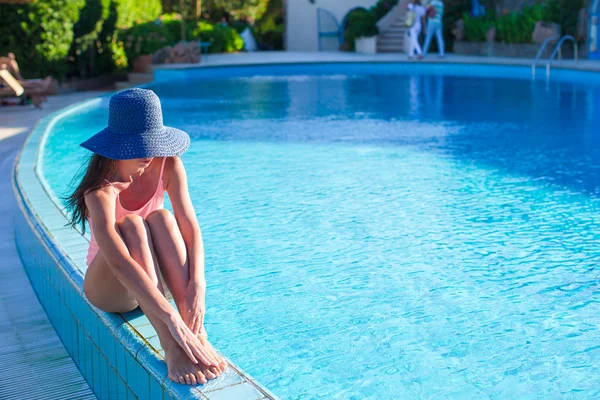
(183, 210)
(101, 204)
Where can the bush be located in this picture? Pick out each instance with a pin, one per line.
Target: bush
(269, 29)
(453, 11)
(272, 39)
(362, 24)
(130, 12)
(238, 9)
(40, 34)
(223, 39)
(382, 7)
(70, 37)
(148, 37)
(476, 27)
(518, 27)
(96, 49)
(564, 13)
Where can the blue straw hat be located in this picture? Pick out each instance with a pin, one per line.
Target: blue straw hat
(135, 129)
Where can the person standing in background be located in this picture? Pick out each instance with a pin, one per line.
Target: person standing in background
(435, 12)
(415, 24)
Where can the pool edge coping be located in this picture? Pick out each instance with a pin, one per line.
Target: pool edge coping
(114, 322)
(387, 58)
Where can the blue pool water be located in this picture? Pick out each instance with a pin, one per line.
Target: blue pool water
(370, 235)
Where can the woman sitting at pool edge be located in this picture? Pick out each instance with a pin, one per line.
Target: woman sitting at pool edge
(135, 242)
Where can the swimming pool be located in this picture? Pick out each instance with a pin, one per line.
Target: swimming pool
(391, 231)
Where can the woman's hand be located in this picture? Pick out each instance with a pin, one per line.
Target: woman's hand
(188, 341)
(192, 307)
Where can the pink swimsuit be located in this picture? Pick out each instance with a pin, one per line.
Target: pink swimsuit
(155, 203)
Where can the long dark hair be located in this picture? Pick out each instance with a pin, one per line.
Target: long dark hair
(99, 168)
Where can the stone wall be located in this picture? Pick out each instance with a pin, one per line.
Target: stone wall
(495, 49)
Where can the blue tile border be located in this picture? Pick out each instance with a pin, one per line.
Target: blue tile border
(114, 352)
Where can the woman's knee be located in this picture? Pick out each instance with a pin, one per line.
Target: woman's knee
(132, 226)
(161, 217)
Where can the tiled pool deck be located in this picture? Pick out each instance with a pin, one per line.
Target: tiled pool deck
(33, 362)
(119, 355)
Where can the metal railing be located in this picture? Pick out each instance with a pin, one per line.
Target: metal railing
(557, 50)
(540, 52)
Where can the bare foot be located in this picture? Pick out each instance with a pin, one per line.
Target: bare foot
(181, 368)
(222, 363)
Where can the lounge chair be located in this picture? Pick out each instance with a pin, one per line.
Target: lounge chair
(10, 87)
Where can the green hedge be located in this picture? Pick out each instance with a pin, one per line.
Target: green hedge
(40, 35)
(224, 39)
(95, 48)
(476, 27)
(360, 23)
(363, 22)
(148, 37)
(70, 37)
(517, 27)
(269, 29)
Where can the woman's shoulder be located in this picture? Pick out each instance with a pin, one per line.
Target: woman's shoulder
(172, 164)
(172, 161)
(101, 194)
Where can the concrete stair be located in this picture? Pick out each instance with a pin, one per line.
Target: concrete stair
(391, 40)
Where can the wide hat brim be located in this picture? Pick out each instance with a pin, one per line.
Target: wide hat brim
(167, 142)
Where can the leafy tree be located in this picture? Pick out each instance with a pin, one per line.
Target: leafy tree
(214, 10)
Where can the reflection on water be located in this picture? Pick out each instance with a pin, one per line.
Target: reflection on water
(543, 130)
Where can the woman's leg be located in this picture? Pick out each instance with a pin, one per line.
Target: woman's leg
(414, 42)
(440, 39)
(417, 45)
(173, 261)
(411, 47)
(430, 31)
(105, 291)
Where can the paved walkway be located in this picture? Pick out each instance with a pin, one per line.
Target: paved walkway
(33, 362)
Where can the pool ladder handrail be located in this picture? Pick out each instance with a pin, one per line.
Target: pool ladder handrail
(538, 56)
(557, 50)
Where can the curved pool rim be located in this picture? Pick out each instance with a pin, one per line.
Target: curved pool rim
(114, 351)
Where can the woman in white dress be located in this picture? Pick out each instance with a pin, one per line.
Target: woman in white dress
(415, 30)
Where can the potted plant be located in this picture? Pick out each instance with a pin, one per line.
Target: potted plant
(363, 28)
